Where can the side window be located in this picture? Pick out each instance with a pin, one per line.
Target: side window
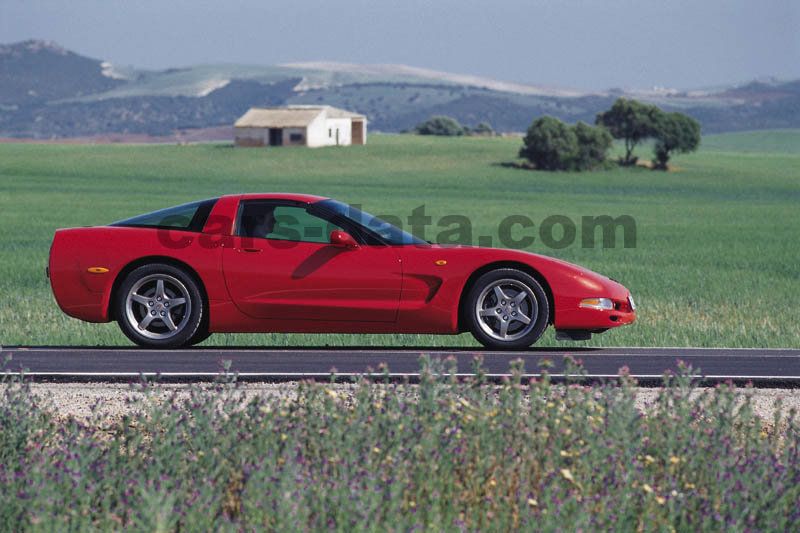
(271, 220)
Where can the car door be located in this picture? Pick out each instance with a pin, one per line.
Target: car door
(283, 267)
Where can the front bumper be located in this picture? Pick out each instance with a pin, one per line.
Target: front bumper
(574, 317)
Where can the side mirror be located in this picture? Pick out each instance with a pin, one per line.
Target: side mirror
(341, 239)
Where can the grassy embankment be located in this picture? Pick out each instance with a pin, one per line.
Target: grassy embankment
(441, 456)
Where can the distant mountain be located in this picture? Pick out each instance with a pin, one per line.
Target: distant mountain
(41, 71)
(152, 115)
(49, 92)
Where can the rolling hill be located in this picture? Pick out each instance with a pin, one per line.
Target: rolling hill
(49, 92)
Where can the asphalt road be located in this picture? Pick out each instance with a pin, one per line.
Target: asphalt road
(769, 367)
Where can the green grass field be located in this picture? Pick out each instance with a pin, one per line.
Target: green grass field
(716, 262)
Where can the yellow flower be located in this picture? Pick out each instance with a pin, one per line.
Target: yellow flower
(674, 460)
(532, 502)
(649, 459)
(376, 450)
(284, 436)
(661, 500)
(331, 393)
(567, 474)
(565, 453)
(647, 488)
(689, 486)
(492, 483)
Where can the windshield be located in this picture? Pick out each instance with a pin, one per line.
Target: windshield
(191, 217)
(387, 232)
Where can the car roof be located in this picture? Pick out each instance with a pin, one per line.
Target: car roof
(297, 197)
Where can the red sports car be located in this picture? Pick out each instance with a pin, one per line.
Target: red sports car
(301, 263)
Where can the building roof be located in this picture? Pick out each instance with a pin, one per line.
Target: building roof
(331, 112)
(278, 117)
(294, 116)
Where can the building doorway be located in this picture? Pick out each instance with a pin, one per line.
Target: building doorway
(357, 131)
(275, 136)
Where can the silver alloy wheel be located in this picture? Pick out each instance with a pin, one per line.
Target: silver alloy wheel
(507, 309)
(158, 306)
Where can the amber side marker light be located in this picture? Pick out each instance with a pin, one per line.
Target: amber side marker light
(97, 270)
(440, 262)
(601, 304)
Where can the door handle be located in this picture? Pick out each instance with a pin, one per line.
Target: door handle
(250, 250)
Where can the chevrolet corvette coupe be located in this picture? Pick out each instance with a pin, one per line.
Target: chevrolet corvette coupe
(302, 263)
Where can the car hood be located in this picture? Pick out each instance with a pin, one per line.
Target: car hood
(550, 267)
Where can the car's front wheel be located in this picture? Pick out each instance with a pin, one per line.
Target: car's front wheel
(159, 306)
(507, 309)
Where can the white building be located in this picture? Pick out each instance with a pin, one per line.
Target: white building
(300, 125)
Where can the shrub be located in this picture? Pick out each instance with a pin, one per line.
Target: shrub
(483, 129)
(550, 144)
(440, 125)
(593, 145)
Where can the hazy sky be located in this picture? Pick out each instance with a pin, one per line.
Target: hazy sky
(589, 44)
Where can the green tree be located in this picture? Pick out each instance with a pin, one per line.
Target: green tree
(440, 125)
(632, 121)
(675, 132)
(593, 145)
(550, 144)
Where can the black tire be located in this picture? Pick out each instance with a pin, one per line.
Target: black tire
(201, 335)
(487, 329)
(142, 286)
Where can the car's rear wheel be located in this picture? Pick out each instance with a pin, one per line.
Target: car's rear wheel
(507, 309)
(160, 306)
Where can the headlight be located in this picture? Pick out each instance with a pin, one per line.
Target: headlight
(601, 304)
(632, 304)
